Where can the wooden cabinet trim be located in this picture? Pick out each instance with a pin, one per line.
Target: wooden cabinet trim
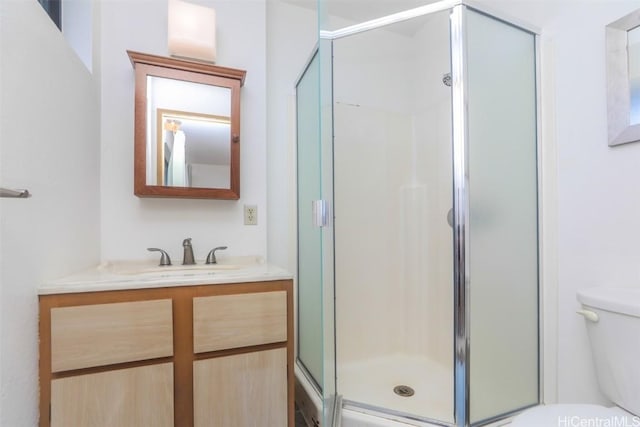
(114, 367)
(238, 350)
(183, 354)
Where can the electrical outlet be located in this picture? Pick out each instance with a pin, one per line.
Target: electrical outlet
(250, 215)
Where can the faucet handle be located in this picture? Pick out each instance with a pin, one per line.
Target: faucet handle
(186, 242)
(211, 258)
(164, 259)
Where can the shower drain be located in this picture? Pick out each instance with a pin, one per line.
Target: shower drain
(403, 390)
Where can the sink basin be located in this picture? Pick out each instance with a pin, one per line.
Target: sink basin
(183, 269)
(197, 270)
(126, 271)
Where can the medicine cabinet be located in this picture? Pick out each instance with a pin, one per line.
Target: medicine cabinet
(187, 128)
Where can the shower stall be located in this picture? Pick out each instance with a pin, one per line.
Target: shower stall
(417, 177)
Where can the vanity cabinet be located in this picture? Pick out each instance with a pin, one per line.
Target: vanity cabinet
(199, 355)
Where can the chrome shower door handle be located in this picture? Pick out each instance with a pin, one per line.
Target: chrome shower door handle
(319, 213)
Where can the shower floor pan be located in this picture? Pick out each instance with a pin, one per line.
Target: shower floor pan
(371, 382)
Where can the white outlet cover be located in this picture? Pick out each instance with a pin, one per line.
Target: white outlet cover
(250, 215)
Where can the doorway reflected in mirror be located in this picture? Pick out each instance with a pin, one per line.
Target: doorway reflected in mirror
(193, 149)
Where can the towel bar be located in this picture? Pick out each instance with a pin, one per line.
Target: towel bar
(5, 192)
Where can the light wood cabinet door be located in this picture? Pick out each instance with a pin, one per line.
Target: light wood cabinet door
(230, 321)
(248, 390)
(132, 397)
(103, 334)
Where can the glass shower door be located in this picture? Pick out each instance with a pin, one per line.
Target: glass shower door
(310, 349)
(392, 170)
(315, 229)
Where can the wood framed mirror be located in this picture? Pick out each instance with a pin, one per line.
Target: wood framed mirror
(187, 128)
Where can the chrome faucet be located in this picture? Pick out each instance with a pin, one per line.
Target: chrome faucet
(164, 259)
(211, 258)
(187, 259)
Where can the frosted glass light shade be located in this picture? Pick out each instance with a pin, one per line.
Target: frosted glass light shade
(192, 31)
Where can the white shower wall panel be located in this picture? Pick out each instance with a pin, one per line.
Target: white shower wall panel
(431, 293)
(374, 69)
(393, 190)
(369, 171)
(372, 136)
(432, 156)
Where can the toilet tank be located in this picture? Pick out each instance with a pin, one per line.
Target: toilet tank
(615, 342)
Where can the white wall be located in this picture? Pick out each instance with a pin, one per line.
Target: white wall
(131, 224)
(291, 38)
(598, 188)
(49, 142)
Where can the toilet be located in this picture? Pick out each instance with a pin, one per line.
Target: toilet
(612, 317)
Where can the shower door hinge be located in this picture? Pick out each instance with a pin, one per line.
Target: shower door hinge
(319, 213)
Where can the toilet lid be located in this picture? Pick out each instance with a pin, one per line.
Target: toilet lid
(573, 415)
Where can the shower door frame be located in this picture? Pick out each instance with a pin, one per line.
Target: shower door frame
(458, 51)
(460, 129)
(459, 141)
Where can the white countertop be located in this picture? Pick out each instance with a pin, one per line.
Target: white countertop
(123, 275)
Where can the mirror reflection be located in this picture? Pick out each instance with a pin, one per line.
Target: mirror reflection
(188, 134)
(193, 150)
(633, 51)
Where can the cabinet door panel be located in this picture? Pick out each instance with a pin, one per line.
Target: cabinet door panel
(248, 390)
(133, 397)
(103, 334)
(231, 321)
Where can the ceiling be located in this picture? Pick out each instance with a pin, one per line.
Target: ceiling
(357, 11)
